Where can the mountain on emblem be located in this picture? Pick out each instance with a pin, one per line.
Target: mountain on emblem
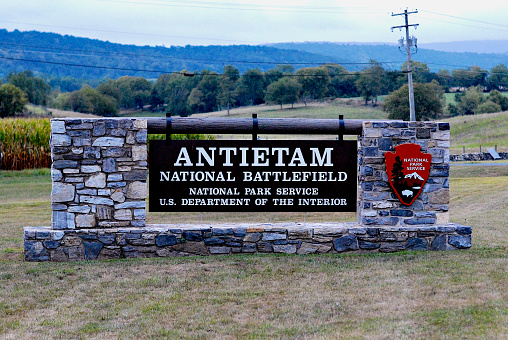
(414, 175)
(407, 169)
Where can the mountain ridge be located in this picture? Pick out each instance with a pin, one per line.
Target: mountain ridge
(67, 55)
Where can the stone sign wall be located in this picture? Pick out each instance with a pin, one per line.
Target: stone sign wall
(99, 195)
(99, 173)
(377, 204)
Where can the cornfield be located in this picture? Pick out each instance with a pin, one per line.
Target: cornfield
(24, 143)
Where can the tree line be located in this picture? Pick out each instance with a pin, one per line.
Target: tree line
(184, 93)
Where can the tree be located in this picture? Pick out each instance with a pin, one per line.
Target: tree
(88, 100)
(204, 95)
(469, 100)
(342, 82)
(136, 92)
(36, 89)
(175, 90)
(488, 107)
(421, 72)
(472, 76)
(250, 90)
(496, 97)
(12, 100)
(283, 91)
(227, 86)
(428, 102)
(370, 82)
(498, 77)
(278, 72)
(314, 82)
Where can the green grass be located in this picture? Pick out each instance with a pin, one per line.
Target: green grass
(486, 130)
(407, 295)
(313, 110)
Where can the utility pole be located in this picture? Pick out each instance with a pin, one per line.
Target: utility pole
(409, 43)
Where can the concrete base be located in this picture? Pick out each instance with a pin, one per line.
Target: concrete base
(166, 240)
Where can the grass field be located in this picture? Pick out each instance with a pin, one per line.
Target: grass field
(408, 295)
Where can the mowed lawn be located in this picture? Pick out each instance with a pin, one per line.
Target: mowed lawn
(408, 295)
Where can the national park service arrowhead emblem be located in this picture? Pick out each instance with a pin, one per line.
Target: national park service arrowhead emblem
(408, 170)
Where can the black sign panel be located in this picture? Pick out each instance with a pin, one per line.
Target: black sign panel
(245, 175)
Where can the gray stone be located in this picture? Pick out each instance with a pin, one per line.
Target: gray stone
(163, 240)
(345, 243)
(139, 214)
(416, 243)
(368, 245)
(64, 164)
(123, 214)
(51, 244)
(85, 221)
(35, 251)
(108, 141)
(63, 220)
(61, 140)
(104, 213)
(56, 175)
(57, 126)
(192, 236)
(286, 248)
(114, 152)
(252, 237)
(139, 153)
(220, 250)
(313, 248)
(109, 165)
(115, 185)
(265, 247)
(90, 168)
(96, 181)
(460, 241)
(463, 230)
(128, 205)
(137, 190)
(90, 192)
(439, 243)
(104, 192)
(99, 129)
(92, 249)
(141, 136)
(273, 236)
(96, 200)
(138, 223)
(114, 177)
(118, 196)
(80, 209)
(107, 239)
(62, 192)
(57, 235)
(135, 175)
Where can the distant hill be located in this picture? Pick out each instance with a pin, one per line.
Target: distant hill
(475, 46)
(61, 56)
(18, 50)
(391, 55)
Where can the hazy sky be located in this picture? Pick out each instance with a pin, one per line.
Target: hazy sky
(226, 22)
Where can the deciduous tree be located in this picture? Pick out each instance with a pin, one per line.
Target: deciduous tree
(12, 100)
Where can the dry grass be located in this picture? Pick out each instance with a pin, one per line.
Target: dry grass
(409, 295)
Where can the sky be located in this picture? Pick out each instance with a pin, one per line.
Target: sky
(253, 22)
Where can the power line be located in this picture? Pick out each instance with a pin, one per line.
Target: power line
(128, 55)
(246, 7)
(465, 25)
(155, 71)
(133, 33)
(467, 19)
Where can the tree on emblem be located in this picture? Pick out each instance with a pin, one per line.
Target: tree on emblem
(397, 173)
